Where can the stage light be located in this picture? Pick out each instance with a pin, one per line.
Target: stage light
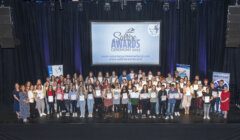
(166, 6)
(107, 6)
(138, 6)
(80, 7)
(193, 5)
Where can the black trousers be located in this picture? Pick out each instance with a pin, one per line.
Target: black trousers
(33, 110)
(162, 107)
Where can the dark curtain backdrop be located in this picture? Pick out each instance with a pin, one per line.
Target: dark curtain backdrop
(63, 37)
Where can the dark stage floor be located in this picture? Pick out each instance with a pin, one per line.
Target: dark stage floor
(184, 127)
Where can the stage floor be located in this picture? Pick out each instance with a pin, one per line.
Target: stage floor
(184, 127)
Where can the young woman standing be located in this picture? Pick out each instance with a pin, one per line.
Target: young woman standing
(15, 94)
(90, 100)
(108, 102)
(187, 97)
(225, 100)
(116, 100)
(24, 104)
(144, 100)
(134, 99)
(50, 98)
(40, 103)
(31, 97)
(153, 101)
(60, 103)
(207, 97)
(73, 100)
(124, 101)
(82, 100)
(98, 99)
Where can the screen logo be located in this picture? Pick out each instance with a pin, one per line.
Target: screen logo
(154, 29)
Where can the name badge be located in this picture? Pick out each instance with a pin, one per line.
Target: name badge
(98, 93)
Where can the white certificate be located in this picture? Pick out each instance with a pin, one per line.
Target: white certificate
(63, 87)
(199, 82)
(144, 96)
(65, 96)
(109, 96)
(188, 93)
(171, 96)
(153, 95)
(116, 96)
(59, 96)
(50, 99)
(134, 95)
(176, 96)
(125, 96)
(195, 87)
(98, 93)
(155, 83)
(164, 98)
(207, 99)
(81, 98)
(41, 95)
(181, 85)
(74, 97)
(199, 93)
(219, 93)
(90, 96)
(214, 94)
(54, 87)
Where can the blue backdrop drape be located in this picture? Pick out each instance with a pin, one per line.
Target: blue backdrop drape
(63, 37)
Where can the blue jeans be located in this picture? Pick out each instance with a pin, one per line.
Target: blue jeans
(129, 107)
(82, 105)
(157, 107)
(90, 103)
(170, 108)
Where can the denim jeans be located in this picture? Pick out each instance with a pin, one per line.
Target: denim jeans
(206, 110)
(129, 107)
(157, 107)
(170, 108)
(82, 105)
(90, 103)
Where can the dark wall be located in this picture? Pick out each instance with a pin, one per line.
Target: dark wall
(47, 36)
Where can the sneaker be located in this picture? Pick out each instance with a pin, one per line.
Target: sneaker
(24, 120)
(171, 117)
(43, 114)
(154, 117)
(204, 117)
(58, 115)
(208, 117)
(179, 114)
(167, 118)
(40, 115)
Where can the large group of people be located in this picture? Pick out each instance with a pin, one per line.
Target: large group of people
(128, 95)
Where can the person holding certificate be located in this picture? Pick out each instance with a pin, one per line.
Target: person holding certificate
(144, 100)
(66, 98)
(134, 99)
(98, 99)
(162, 97)
(116, 100)
(199, 101)
(90, 100)
(82, 100)
(124, 97)
(108, 101)
(225, 100)
(50, 98)
(153, 101)
(32, 103)
(73, 100)
(213, 92)
(187, 97)
(40, 101)
(24, 104)
(178, 98)
(207, 97)
(171, 102)
(60, 104)
(219, 88)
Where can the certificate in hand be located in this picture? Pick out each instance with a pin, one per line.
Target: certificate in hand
(116, 96)
(98, 93)
(59, 96)
(73, 97)
(81, 98)
(164, 98)
(176, 96)
(171, 96)
(195, 87)
(153, 95)
(207, 99)
(214, 94)
(50, 99)
(90, 96)
(125, 96)
(199, 94)
(109, 96)
(65, 96)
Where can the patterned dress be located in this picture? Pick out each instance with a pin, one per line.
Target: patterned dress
(24, 107)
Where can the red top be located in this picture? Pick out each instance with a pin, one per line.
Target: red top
(50, 93)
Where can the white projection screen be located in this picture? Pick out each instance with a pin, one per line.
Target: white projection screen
(125, 43)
